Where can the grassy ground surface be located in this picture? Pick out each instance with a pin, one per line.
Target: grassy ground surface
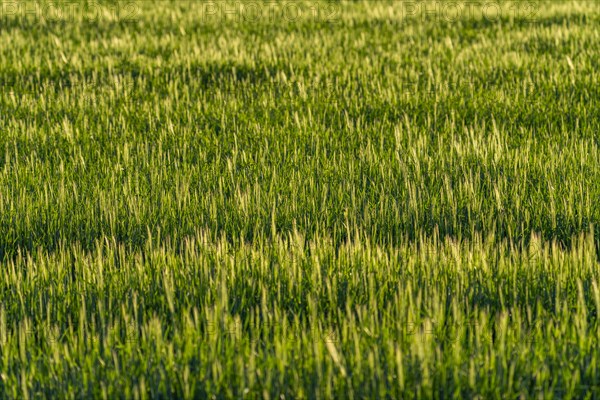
(374, 199)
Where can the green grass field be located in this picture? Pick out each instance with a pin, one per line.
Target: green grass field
(355, 199)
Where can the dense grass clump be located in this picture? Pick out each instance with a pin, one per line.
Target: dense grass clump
(361, 199)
